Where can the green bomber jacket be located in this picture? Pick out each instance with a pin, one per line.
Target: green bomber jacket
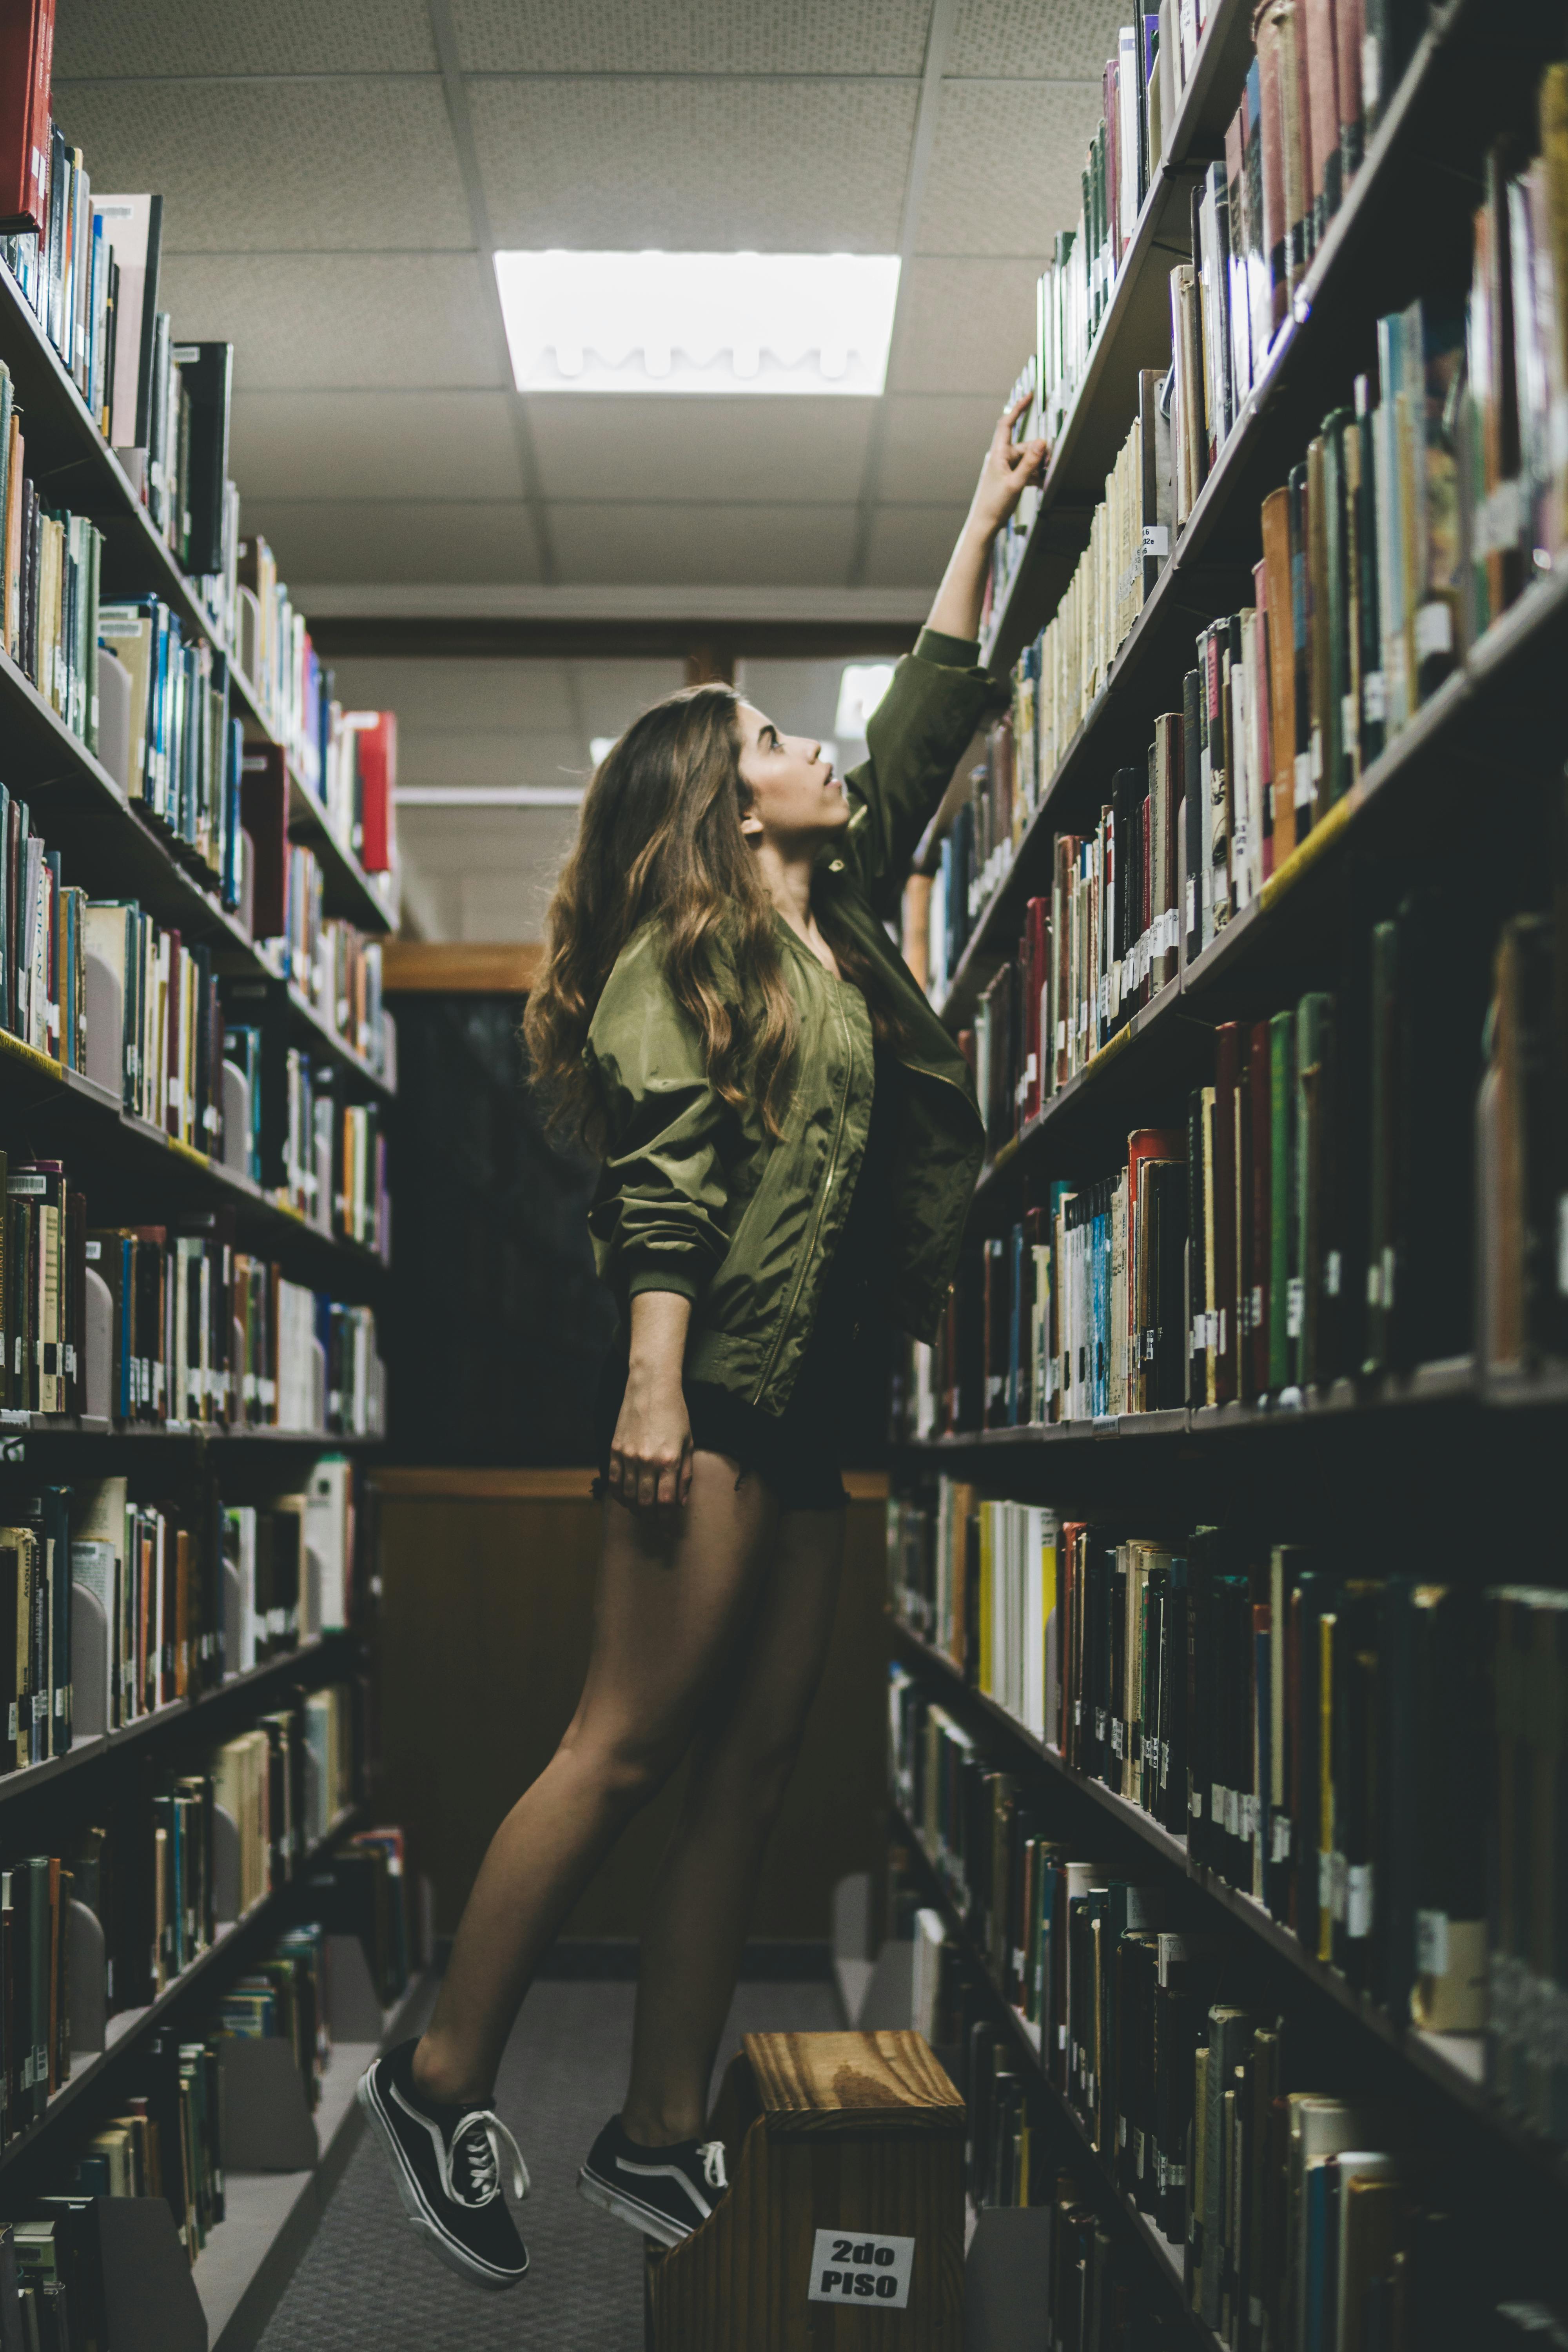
(697, 1198)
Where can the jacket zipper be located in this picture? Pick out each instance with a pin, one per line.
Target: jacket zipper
(817, 1222)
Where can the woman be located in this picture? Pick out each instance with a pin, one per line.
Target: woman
(789, 1138)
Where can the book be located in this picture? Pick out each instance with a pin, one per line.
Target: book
(27, 46)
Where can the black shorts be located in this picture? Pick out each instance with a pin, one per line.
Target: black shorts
(794, 1452)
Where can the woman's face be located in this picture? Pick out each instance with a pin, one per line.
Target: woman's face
(796, 799)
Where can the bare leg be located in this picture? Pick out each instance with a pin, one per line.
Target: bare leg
(740, 1766)
(671, 1604)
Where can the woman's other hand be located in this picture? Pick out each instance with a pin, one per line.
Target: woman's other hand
(1010, 466)
(650, 1454)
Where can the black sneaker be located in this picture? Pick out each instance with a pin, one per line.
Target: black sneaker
(664, 2192)
(447, 2164)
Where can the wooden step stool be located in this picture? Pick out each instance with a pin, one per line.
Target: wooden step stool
(843, 2230)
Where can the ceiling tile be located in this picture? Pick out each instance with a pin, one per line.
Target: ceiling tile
(963, 326)
(694, 165)
(326, 540)
(1006, 169)
(699, 37)
(465, 756)
(932, 445)
(319, 321)
(712, 546)
(1008, 37)
(272, 166)
(908, 546)
(286, 37)
(689, 447)
(374, 445)
(459, 695)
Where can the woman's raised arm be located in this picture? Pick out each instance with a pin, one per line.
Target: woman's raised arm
(1009, 468)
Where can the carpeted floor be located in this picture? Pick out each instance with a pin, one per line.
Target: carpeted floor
(366, 2281)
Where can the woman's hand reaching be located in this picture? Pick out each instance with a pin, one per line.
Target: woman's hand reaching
(1010, 466)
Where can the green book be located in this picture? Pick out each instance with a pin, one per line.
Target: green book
(39, 1925)
(1281, 1194)
(1381, 1240)
(1302, 648)
(1387, 494)
(6, 403)
(1369, 625)
(1338, 726)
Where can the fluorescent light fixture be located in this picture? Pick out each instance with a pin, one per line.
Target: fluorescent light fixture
(715, 322)
(861, 689)
(601, 746)
(489, 795)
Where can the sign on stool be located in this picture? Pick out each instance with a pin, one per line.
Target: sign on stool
(843, 2230)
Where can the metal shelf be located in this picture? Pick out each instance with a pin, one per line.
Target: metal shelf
(1167, 2259)
(86, 1122)
(240, 1937)
(1361, 267)
(1453, 1384)
(118, 850)
(70, 459)
(1453, 2064)
(181, 1715)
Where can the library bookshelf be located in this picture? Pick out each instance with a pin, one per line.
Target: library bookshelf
(138, 1174)
(1447, 1459)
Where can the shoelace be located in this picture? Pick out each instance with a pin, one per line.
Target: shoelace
(479, 2144)
(711, 2151)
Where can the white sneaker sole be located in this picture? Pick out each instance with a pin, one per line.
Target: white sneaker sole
(630, 2209)
(442, 2244)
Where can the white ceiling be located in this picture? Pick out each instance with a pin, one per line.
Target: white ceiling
(330, 200)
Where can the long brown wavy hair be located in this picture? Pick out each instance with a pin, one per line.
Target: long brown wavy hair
(660, 839)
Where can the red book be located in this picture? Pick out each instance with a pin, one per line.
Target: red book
(1276, 253)
(1323, 114)
(1151, 1143)
(376, 749)
(1350, 33)
(27, 54)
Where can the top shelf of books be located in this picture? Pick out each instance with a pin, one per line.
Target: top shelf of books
(120, 434)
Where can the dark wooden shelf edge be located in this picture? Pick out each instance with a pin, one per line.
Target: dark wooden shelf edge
(1496, 648)
(181, 1715)
(175, 1433)
(1171, 176)
(1161, 1009)
(1422, 2051)
(1009, 632)
(1165, 2257)
(186, 891)
(1449, 1384)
